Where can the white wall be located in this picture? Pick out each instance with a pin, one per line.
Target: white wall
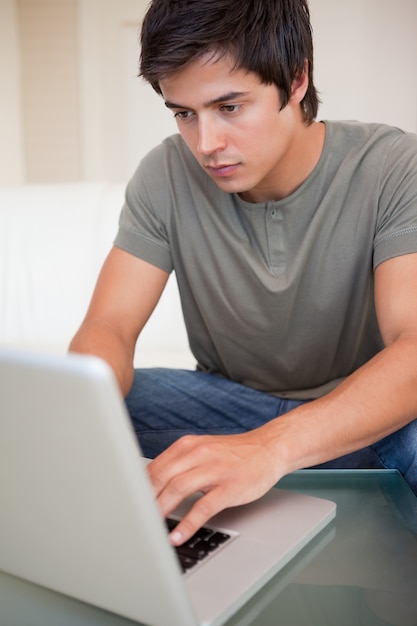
(122, 118)
(365, 59)
(366, 52)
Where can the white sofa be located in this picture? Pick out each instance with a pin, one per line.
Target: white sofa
(53, 241)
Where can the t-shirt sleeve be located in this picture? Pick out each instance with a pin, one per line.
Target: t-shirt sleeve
(396, 231)
(142, 223)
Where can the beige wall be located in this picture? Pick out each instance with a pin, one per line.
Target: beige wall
(11, 138)
(50, 98)
(71, 106)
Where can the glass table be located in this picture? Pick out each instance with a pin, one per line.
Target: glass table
(361, 570)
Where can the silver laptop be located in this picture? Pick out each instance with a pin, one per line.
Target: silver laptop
(77, 512)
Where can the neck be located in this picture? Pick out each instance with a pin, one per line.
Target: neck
(297, 166)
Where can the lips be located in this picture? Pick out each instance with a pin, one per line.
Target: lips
(222, 170)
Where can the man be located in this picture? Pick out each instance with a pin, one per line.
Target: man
(294, 244)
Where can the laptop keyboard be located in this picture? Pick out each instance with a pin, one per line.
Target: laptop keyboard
(201, 545)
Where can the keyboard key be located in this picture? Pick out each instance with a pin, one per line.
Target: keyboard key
(219, 538)
(186, 563)
(193, 553)
(201, 544)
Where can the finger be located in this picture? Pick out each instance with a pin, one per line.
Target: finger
(203, 510)
(199, 479)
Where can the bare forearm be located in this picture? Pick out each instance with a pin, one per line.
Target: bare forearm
(97, 337)
(372, 403)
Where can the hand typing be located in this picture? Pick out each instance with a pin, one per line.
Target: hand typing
(228, 469)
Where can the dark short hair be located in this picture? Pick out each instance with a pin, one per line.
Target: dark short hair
(272, 38)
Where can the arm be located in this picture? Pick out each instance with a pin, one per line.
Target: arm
(125, 295)
(370, 404)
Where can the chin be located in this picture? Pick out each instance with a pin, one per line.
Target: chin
(232, 186)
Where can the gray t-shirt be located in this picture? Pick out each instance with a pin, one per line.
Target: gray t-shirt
(279, 295)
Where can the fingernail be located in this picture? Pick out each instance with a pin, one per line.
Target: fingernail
(175, 537)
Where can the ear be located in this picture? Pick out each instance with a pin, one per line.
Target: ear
(300, 85)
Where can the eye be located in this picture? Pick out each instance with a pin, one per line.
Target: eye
(231, 108)
(183, 115)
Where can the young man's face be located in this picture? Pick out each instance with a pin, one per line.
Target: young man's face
(233, 125)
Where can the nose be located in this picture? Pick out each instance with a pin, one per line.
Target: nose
(211, 138)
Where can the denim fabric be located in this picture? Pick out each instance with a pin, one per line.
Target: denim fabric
(165, 404)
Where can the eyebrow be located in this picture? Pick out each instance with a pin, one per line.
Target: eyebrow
(224, 98)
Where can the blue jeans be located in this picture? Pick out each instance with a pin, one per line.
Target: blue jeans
(165, 404)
